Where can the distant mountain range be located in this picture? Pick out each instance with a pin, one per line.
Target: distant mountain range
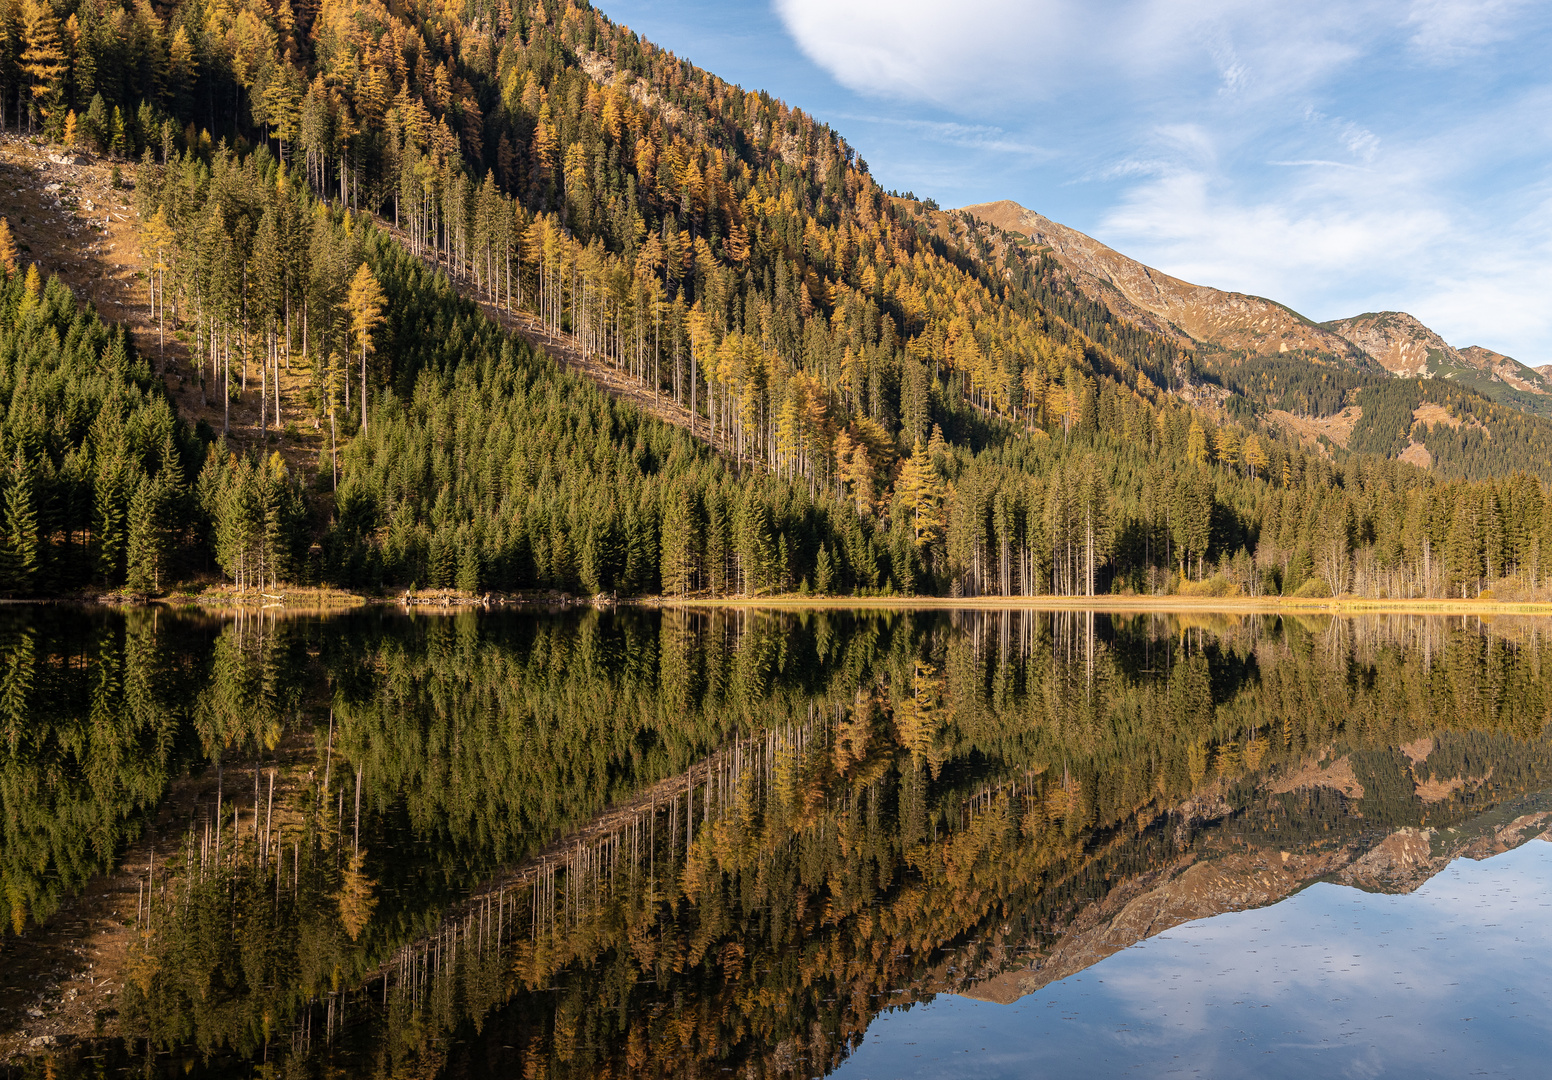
(1249, 326)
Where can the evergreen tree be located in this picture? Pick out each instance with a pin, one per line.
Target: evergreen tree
(145, 550)
(19, 558)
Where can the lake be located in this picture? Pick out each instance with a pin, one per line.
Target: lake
(642, 842)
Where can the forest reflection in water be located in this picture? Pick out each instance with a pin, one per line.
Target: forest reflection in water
(677, 843)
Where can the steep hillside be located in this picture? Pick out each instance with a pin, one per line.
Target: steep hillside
(905, 399)
(1234, 322)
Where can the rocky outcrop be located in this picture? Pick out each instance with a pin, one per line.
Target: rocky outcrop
(1402, 344)
(1507, 369)
(1405, 347)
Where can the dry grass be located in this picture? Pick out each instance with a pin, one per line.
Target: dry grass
(1307, 429)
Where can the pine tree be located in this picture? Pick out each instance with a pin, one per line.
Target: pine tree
(109, 523)
(468, 567)
(97, 127)
(144, 551)
(679, 544)
(824, 571)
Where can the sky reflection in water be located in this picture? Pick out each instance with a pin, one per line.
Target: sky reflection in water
(1448, 981)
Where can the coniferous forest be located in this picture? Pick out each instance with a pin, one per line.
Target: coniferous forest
(850, 391)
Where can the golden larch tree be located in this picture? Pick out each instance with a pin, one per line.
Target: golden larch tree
(8, 253)
(365, 302)
(44, 59)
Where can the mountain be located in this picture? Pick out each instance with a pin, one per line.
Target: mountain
(1252, 326)
(1401, 344)
(1405, 347)
(845, 384)
(1200, 885)
(1236, 322)
(1508, 370)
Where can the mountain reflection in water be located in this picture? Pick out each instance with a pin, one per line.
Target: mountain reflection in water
(1450, 980)
(676, 843)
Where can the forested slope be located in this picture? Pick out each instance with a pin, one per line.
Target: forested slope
(905, 406)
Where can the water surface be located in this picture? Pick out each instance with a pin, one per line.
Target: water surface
(585, 843)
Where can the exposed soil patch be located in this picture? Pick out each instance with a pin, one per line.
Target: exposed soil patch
(1417, 750)
(1337, 776)
(1416, 454)
(1308, 429)
(1436, 790)
(1434, 415)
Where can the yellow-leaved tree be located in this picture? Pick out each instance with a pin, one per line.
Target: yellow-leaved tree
(365, 303)
(8, 254)
(44, 60)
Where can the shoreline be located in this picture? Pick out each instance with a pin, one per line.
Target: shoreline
(1112, 604)
(336, 602)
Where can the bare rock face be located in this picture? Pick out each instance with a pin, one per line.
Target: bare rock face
(1401, 344)
(1404, 346)
(1399, 863)
(1166, 304)
(1507, 369)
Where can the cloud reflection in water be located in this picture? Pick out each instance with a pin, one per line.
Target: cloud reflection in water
(1448, 980)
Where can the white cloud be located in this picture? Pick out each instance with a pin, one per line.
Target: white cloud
(1337, 155)
(1386, 229)
(946, 53)
(987, 137)
(1447, 31)
(1330, 228)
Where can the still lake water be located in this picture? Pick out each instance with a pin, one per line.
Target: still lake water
(643, 843)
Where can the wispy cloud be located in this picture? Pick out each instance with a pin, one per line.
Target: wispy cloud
(1448, 31)
(970, 136)
(1339, 155)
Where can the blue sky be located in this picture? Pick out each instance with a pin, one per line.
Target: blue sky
(1339, 157)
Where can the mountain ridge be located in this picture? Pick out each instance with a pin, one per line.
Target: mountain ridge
(1395, 341)
(1197, 313)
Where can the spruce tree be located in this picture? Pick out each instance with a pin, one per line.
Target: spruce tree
(144, 547)
(20, 557)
